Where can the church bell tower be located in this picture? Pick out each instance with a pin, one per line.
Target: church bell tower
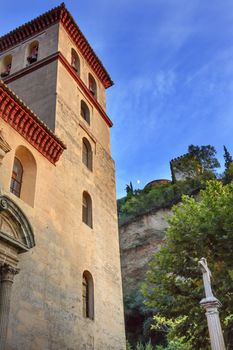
(59, 172)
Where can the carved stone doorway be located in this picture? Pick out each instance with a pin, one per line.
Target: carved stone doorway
(16, 237)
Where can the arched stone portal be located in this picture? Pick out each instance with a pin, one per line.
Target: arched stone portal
(16, 237)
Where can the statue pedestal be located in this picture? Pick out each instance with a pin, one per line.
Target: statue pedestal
(211, 305)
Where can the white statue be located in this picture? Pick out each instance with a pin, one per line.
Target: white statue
(211, 305)
(206, 278)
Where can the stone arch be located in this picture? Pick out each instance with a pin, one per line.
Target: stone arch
(15, 229)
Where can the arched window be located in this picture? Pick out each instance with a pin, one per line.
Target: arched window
(23, 179)
(88, 295)
(33, 50)
(16, 178)
(75, 61)
(87, 209)
(85, 112)
(92, 85)
(87, 153)
(6, 66)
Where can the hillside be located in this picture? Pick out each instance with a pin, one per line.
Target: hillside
(159, 196)
(142, 224)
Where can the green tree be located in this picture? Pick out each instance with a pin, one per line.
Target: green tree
(206, 156)
(137, 318)
(228, 173)
(173, 284)
(175, 344)
(129, 189)
(147, 346)
(139, 346)
(227, 157)
(128, 346)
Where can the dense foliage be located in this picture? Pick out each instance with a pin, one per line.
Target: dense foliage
(174, 286)
(160, 196)
(176, 344)
(228, 173)
(139, 346)
(206, 157)
(197, 166)
(138, 318)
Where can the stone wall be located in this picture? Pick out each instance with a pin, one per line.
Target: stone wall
(48, 44)
(65, 46)
(46, 305)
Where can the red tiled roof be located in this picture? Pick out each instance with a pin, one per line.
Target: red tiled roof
(26, 123)
(61, 15)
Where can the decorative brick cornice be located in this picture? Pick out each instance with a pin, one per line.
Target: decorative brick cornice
(63, 60)
(58, 15)
(26, 123)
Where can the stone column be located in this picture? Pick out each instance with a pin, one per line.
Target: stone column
(211, 306)
(7, 274)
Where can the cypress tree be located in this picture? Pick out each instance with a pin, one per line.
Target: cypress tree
(228, 158)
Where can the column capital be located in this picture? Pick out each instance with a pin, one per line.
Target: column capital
(210, 303)
(8, 272)
(4, 147)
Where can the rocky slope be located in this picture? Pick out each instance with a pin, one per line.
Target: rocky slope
(139, 240)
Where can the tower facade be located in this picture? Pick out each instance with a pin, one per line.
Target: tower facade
(59, 248)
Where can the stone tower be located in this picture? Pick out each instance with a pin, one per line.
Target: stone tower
(59, 250)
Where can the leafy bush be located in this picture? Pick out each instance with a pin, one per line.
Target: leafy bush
(139, 346)
(128, 346)
(200, 162)
(176, 344)
(174, 284)
(160, 196)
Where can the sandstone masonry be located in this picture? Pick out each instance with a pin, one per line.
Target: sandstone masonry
(43, 233)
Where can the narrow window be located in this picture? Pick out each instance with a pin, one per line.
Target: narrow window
(85, 112)
(92, 85)
(33, 50)
(87, 154)
(16, 178)
(75, 62)
(85, 297)
(88, 295)
(6, 66)
(87, 209)
(23, 178)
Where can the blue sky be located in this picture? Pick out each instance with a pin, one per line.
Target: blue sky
(172, 64)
